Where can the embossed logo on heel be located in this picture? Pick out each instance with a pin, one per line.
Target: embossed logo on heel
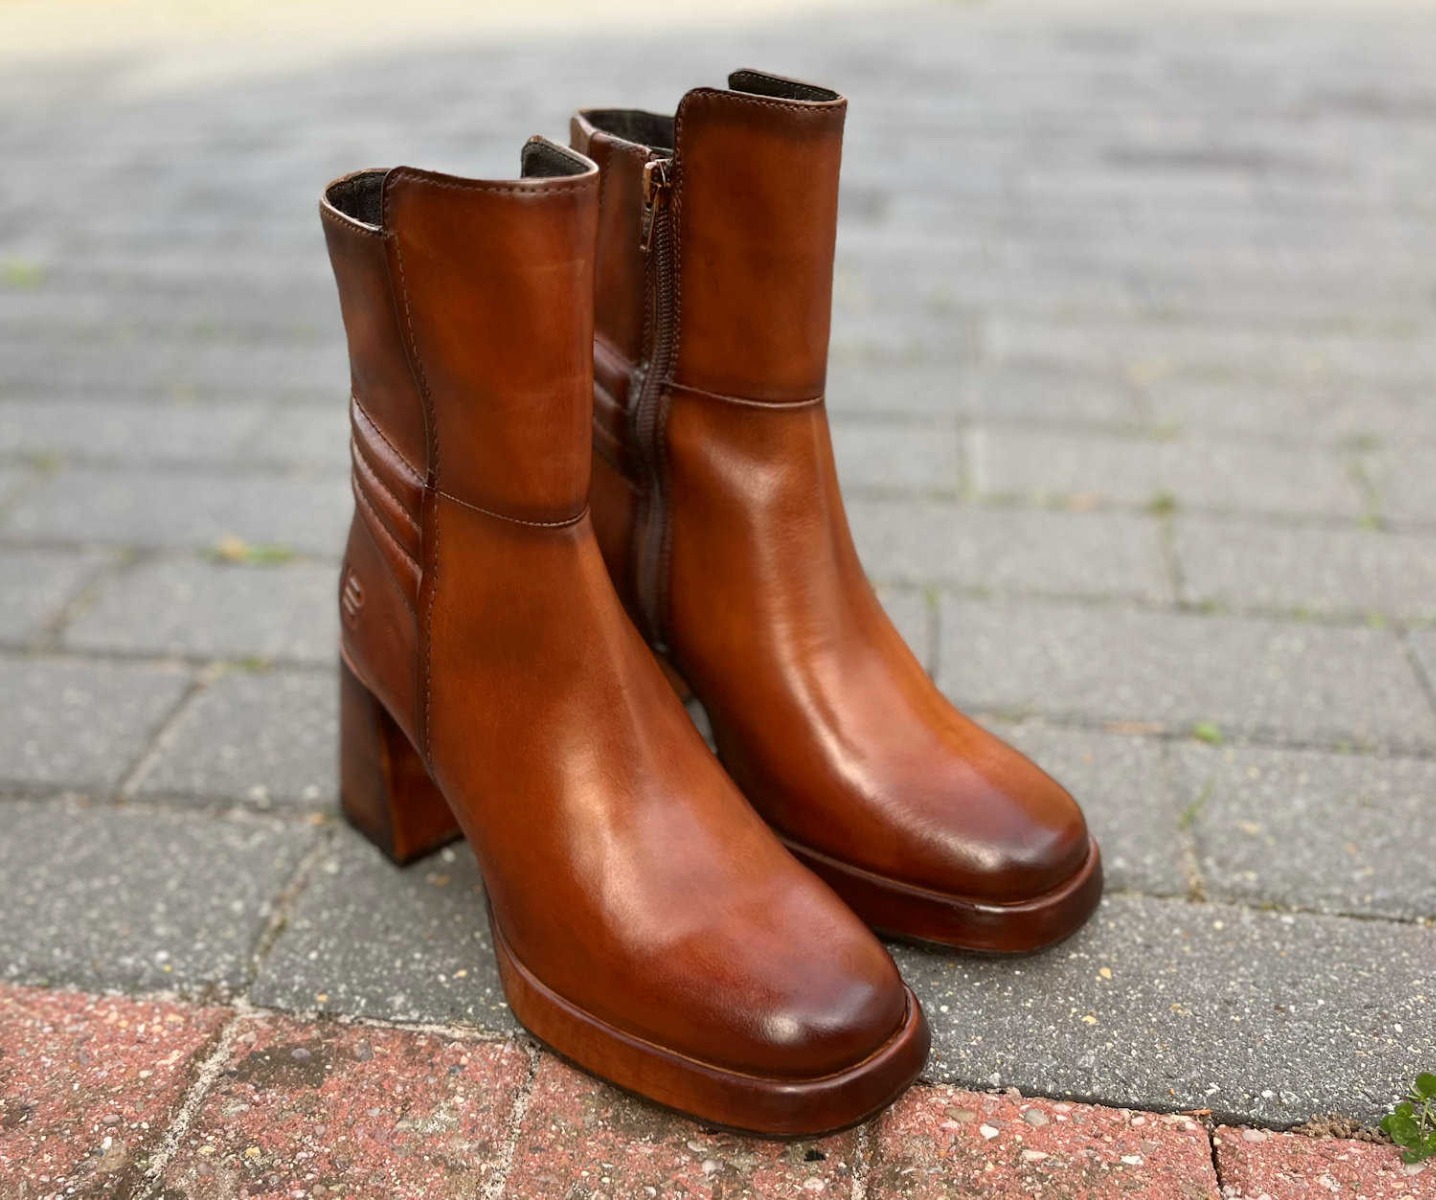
(351, 597)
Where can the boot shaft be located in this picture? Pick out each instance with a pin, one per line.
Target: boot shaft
(748, 180)
(467, 306)
(714, 287)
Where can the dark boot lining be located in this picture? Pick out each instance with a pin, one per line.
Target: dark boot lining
(756, 83)
(632, 125)
(545, 160)
(360, 197)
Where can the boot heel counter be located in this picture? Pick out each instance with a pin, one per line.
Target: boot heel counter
(379, 628)
(385, 791)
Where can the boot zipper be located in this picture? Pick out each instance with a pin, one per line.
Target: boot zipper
(652, 534)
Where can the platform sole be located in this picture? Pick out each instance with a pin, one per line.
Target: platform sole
(916, 914)
(769, 1106)
(386, 793)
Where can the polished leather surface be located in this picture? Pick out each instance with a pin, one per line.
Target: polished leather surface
(624, 869)
(821, 714)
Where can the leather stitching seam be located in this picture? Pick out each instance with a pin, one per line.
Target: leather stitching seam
(806, 402)
(374, 425)
(422, 381)
(330, 216)
(375, 524)
(539, 190)
(365, 472)
(498, 516)
(807, 108)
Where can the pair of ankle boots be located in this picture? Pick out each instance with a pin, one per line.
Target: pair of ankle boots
(592, 474)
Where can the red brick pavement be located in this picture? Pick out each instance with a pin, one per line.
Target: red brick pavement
(112, 1097)
(1274, 1166)
(88, 1085)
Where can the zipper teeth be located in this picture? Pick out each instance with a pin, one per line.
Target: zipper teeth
(646, 413)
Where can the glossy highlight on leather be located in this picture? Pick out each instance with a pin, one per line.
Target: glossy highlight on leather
(716, 500)
(648, 924)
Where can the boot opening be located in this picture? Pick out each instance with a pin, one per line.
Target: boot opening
(360, 197)
(643, 128)
(543, 159)
(756, 83)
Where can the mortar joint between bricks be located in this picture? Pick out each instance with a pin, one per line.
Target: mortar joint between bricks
(203, 1083)
(513, 1126)
(283, 904)
(1424, 677)
(862, 1159)
(101, 576)
(155, 744)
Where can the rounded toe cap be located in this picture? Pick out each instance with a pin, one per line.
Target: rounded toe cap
(838, 1019)
(800, 991)
(992, 827)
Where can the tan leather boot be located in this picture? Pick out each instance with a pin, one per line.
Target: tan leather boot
(717, 507)
(647, 924)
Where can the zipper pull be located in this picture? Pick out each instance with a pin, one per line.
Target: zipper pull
(655, 194)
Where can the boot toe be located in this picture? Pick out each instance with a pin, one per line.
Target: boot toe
(1015, 833)
(843, 1019)
(824, 995)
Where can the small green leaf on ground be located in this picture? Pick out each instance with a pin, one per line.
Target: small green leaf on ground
(237, 550)
(14, 273)
(1412, 1123)
(1163, 504)
(1193, 810)
(1205, 731)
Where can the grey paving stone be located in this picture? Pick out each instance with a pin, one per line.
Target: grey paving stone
(139, 901)
(129, 431)
(900, 389)
(89, 300)
(1423, 642)
(304, 435)
(13, 481)
(1334, 832)
(267, 737)
(1134, 805)
(174, 368)
(1341, 414)
(1063, 397)
(1002, 395)
(368, 939)
(1011, 550)
(1218, 475)
(1262, 1017)
(915, 615)
(1163, 347)
(192, 607)
(888, 456)
(183, 508)
(891, 333)
(864, 282)
(1405, 485)
(1305, 682)
(36, 584)
(80, 724)
(1243, 564)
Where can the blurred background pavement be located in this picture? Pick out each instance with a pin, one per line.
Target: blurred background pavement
(1134, 388)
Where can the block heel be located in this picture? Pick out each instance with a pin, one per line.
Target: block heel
(384, 788)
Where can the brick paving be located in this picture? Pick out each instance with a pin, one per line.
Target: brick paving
(1134, 397)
